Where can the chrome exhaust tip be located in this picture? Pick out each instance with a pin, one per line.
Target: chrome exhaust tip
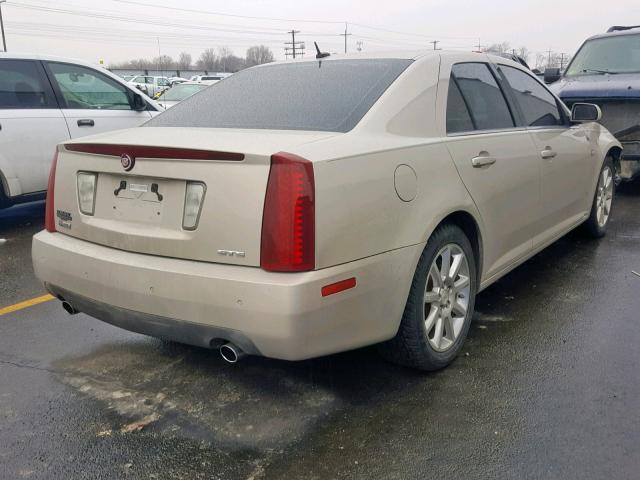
(69, 308)
(231, 353)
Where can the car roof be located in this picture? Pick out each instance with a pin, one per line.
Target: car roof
(617, 33)
(406, 55)
(51, 58)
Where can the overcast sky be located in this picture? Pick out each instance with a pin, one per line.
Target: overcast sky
(116, 30)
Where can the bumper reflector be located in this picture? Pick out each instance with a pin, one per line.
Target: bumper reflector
(338, 286)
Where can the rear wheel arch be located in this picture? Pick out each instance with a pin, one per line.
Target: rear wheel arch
(468, 224)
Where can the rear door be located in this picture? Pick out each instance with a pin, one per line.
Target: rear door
(31, 124)
(496, 159)
(93, 102)
(563, 151)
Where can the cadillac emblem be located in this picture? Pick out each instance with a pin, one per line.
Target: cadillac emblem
(127, 161)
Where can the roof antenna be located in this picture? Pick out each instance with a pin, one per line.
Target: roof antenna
(320, 54)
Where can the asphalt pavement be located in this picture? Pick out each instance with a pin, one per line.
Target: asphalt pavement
(547, 386)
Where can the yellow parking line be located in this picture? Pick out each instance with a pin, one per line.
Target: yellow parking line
(26, 304)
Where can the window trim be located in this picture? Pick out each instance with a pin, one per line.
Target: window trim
(477, 131)
(50, 96)
(60, 97)
(563, 116)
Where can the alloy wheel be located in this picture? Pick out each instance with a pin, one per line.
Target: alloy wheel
(604, 196)
(446, 297)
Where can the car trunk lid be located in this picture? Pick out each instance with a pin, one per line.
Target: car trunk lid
(140, 209)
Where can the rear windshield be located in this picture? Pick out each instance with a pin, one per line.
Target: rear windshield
(326, 96)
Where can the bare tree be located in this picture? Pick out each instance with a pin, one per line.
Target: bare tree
(227, 61)
(208, 60)
(501, 47)
(184, 61)
(163, 62)
(258, 55)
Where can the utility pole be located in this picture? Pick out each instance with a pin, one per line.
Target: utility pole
(562, 60)
(345, 35)
(4, 40)
(435, 44)
(292, 47)
(479, 47)
(549, 59)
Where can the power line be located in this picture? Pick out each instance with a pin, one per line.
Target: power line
(132, 2)
(293, 45)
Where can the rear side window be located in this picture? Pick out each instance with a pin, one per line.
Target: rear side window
(538, 106)
(458, 117)
(23, 86)
(332, 95)
(482, 95)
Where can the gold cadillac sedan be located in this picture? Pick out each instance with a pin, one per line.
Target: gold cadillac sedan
(303, 208)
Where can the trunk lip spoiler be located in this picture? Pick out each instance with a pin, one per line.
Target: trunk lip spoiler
(152, 152)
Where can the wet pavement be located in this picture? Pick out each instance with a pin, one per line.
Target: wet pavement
(548, 386)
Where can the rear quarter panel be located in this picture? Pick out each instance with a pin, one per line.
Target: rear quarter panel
(358, 210)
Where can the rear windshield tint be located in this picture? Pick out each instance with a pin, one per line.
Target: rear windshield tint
(328, 96)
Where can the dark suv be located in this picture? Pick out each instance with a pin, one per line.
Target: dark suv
(606, 71)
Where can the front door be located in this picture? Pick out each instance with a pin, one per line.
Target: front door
(93, 102)
(563, 151)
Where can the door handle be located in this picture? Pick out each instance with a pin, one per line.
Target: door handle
(548, 153)
(482, 161)
(86, 122)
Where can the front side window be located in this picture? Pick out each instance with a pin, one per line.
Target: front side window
(22, 85)
(483, 97)
(538, 106)
(85, 88)
(332, 95)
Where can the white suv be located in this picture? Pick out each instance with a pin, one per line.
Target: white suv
(150, 85)
(45, 101)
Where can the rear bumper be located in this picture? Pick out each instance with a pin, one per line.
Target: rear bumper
(272, 314)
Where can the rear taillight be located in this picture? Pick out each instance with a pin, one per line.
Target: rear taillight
(50, 212)
(288, 222)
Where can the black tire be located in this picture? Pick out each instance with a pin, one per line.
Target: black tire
(592, 227)
(411, 347)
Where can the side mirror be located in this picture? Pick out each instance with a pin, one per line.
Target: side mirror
(551, 75)
(585, 112)
(138, 103)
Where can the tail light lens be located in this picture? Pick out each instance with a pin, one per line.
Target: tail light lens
(288, 222)
(50, 213)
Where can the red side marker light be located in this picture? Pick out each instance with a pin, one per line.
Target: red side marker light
(338, 286)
